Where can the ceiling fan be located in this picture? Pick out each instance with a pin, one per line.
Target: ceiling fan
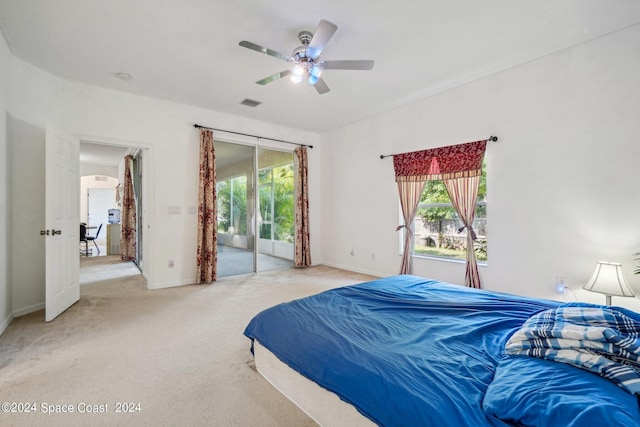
(306, 58)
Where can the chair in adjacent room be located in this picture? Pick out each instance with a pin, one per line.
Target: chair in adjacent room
(83, 238)
(86, 239)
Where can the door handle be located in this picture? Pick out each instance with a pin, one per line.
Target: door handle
(44, 232)
(54, 232)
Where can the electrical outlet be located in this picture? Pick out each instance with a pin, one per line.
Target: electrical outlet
(171, 263)
(175, 210)
(561, 285)
(353, 252)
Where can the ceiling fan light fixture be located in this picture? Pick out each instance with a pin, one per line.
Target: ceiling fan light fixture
(306, 58)
(299, 70)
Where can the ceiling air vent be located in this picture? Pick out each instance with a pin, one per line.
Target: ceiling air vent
(250, 102)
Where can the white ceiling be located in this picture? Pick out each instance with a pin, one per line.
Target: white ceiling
(101, 154)
(187, 50)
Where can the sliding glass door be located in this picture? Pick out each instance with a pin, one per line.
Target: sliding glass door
(235, 166)
(254, 237)
(276, 209)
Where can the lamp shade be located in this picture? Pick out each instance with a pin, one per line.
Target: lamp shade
(608, 279)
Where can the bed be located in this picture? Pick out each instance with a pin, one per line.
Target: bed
(408, 351)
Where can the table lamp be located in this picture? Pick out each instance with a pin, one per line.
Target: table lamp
(608, 279)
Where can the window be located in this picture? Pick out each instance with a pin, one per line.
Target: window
(232, 205)
(436, 224)
(277, 203)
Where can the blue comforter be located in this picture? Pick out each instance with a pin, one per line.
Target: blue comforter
(390, 348)
(405, 351)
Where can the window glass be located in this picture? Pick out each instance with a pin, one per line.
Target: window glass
(277, 202)
(436, 224)
(232, 205)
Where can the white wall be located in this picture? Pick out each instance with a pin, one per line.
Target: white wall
(26, 154)
(90, 181)
(5, 288)
(89, 169)
(562, 179)
(165, 130)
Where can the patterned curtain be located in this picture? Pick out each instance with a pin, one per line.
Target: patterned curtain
(460, 168)
(463, 193)
(410, 192)
(207, 243)
(128, 231)
(302, 243)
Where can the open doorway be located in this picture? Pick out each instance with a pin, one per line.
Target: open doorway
(98, 204)
(102, 177)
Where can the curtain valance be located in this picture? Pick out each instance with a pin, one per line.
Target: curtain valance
(455, 161)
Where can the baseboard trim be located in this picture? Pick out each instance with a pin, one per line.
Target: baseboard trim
(29, 309)
(341, 267)
(171, 284)
(355, 270)
(17, 313)
(5, 323)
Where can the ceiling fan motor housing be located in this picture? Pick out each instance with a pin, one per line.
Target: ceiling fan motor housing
(300, 53)
(305, 37)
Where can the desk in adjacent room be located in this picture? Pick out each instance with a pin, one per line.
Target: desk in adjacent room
(113, 239)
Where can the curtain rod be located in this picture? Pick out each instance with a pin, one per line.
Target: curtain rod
(491, 138)
(253, 136)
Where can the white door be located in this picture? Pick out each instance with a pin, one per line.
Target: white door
(62, 222)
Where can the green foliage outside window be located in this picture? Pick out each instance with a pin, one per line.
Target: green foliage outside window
(232, 205)
(276, 197)
(277, 203)
(439, 217)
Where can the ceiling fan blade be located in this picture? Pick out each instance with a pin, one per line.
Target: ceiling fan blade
(265, 50)
(321, 86)
(273, 77)
(321, 37)
(347, 65)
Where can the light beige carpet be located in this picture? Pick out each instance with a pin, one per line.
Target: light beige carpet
(179, 353)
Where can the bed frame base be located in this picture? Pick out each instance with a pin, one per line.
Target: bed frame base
(323, 406)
